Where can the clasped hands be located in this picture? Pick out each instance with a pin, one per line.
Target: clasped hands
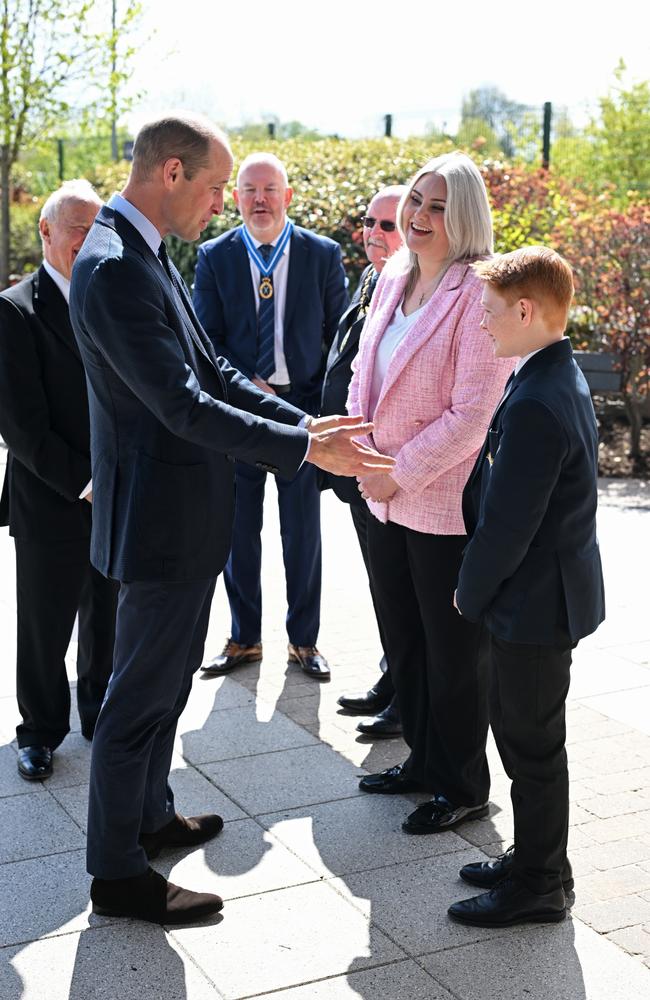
(334, 447)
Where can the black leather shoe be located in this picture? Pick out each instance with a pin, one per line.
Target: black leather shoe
(370, 703)
(151, 897)
(310, 661)
(182, 831)
(35, 763)
(486, 874)
(234, 655)
(508, 903)
(439, 815)
(389, 782)
(385, 724)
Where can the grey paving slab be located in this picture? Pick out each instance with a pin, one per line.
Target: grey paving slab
(285, 938)
(243, 860)
(10, 781)
(561, 962)
(43, 896)
(599, 672)
(71, 762)
(194, 794)
(355, 834)
(285, 780)
(9, 716)
(126, 960)
(33, 826)
(629, 707)
(409, 901)
(399, 981)
(238, 733)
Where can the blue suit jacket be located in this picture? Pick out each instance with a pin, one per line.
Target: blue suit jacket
(532, 567)
(166, 416)
(316, 298)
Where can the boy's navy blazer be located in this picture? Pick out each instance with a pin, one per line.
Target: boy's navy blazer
(532, 567)
(316, 299)
(166, 415)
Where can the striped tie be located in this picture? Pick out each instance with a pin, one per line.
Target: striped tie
(265, 365)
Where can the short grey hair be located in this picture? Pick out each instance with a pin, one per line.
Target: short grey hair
(270, 159)
(187, 137)
(467, 216)
(75, 190)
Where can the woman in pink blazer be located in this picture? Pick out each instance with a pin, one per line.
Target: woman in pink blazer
(427, 378)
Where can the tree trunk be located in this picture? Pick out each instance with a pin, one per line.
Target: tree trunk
(5, 219)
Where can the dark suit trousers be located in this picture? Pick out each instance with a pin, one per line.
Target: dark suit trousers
(528, 689)
(160, 635)
(436, 660)
(299, 504)
(360, 517)
(54, 580)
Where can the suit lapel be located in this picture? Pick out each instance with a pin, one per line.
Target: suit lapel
(425, 326)
(298, 259)
(181, 300)
(240, 269)
(52, 310)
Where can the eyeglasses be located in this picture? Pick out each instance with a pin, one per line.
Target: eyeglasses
(384, 224)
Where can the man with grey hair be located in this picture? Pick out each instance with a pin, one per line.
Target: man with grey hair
(46, 494)
(270, 296)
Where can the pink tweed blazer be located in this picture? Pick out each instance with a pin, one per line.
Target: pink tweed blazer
(441, 388)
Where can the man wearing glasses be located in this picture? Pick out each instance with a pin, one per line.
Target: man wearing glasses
(381, 239)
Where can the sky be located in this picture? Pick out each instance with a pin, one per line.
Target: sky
(335, 68)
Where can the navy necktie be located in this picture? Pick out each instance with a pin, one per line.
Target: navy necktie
(265, 365)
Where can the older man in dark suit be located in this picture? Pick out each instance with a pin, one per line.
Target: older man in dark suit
(531, 572)
(270, 295)
(168, 419)
(381, 238)
(46, 495)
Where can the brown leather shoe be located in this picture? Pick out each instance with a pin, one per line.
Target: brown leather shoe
(151, 897)
(310, 661)
(182, 831)
(233, 655)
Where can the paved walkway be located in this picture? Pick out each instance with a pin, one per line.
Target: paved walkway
(326, 899)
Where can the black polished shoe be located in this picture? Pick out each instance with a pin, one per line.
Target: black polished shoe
(370, 703)
(234, 655)
(35, 763)
(151, 897)
(389, 782)
(439, 815)
(182, 831)
(508, 903)
(486, 874)
(385, 724)
(310, 661)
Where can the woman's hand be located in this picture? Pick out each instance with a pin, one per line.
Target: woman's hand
(379, 488)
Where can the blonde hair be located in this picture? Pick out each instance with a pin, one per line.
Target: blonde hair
(467, 217)
(184, 136)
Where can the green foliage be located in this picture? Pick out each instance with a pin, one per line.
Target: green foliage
(25, 241)
(613, 153)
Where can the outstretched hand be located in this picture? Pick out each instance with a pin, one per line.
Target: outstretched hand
(333, 447)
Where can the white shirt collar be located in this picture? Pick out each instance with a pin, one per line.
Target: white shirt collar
(144, 226)
(273, 243)
(63, 284)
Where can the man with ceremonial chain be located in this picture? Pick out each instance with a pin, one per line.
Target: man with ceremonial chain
(270, 296)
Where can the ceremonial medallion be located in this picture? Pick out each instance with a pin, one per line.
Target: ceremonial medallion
(266, 288)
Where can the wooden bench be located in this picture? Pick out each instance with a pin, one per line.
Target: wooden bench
(600, 370)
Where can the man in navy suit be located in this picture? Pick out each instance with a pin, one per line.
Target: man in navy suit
(168, 417)
(531, 572)
(269, 295)
(46, 494)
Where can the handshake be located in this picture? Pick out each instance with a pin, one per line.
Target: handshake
(333, 446)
